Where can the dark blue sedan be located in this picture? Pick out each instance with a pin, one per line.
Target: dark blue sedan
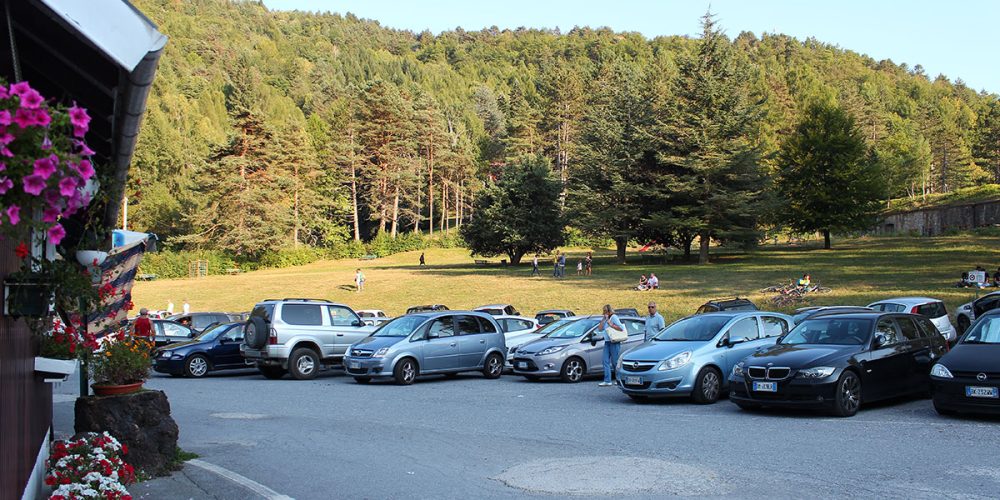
(217, 348)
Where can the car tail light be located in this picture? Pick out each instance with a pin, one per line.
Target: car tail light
(272, 339)
(914, 309)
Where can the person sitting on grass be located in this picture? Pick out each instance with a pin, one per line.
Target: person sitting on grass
(653, 281)
(996, 277)
(804, 281)
(643, 283)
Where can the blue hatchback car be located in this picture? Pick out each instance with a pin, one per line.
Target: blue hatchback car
(444, 342)
(217, 348)
(694, 355)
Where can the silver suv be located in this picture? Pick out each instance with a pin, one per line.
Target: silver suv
(298, 336)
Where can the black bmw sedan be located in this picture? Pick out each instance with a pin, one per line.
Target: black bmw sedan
(837, 361)
(967, 379)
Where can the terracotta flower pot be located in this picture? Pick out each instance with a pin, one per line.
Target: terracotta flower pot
(116, 390)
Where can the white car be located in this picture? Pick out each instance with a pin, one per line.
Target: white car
(967, 313)
(932, 309)
(498, 309)
(373, 317)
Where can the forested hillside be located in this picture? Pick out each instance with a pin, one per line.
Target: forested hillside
(274, 129)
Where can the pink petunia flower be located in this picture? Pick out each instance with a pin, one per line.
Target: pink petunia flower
(5, 118)
(19, 88)
(31, 99)
(3, 92)
(86, 169)
(6, 152)
(46, 144)
(67, 186)
(34, 184)
(56, 234)
(14, 214)
(5, 185)
(79, 132)
(52, 197)
(84, 149)
(51, 214)
(6, 138)
(45, 167)
(78, 116)
(24, 118)
(42, 118)
(3, 166)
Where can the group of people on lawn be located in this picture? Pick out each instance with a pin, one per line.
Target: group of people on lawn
(980, 278)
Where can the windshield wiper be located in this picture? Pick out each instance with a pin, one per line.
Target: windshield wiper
(976, 342)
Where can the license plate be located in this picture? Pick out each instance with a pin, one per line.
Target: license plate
(522, 365)
(981, 392)
(355, 365)
(633, 380)
(765, 386)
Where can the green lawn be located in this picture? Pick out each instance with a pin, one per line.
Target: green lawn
(859, 271)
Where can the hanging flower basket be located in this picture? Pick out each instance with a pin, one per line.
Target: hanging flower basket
(31, 299)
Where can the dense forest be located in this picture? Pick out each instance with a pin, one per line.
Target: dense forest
(271, 129)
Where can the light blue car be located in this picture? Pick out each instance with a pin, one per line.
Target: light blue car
(446, 342)
(694, 355)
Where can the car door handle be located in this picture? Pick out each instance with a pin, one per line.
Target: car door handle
(453, 344)
(340, 334)
(482, 341)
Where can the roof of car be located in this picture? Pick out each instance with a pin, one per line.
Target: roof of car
(492, 306)
(908, 301)
(857, 314)
(437, 314)
(553, 311)
(513, 316)
(729, 300)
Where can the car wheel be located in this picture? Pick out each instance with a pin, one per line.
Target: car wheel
(196, 366)
(963, 324)
(405, 372)
(848, 398)
(255, 332)
(639, 398)
(304, 363)
(494, 366)
(944, 411)
(272, 372)
(707, 386)
(362, 380)
(573, 370)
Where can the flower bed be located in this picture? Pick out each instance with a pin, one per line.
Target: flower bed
(89, 467)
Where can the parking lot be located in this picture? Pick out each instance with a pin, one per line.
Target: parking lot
(471, 437)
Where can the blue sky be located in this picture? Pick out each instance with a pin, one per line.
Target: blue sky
(958, 39)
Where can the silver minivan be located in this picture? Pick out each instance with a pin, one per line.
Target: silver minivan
(572, 351)
(932, 309)
(445, 342)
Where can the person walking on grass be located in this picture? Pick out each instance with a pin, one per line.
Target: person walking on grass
(534, 266)
(612, 350)
(359, 280)
(555, 265)
(562, 265)
(654, 322)
(588, 263)
(579, 268)
(422, 263)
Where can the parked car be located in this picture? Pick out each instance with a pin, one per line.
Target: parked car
(373, 317)
(217, 348)
(427, 308)
(198, 321)
(166, 332)
(968, 312)
(627, 312)
(549, 315)
(967, 379)
(839, 362)
(694, 355)
(932, 309)
(512, 326)
(804, 313)
(298, 336)
(498, 310)
(513, 342)
(572, 351)
(429, 343)
(730, 304)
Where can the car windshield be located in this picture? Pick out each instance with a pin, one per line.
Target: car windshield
(212, 333)
(985, 331)
(573, 329)
(399, 327)
(553, 326)
(830, 330)
(697, 328)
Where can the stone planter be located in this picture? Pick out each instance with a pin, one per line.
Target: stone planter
(141, 420)
(116, 390)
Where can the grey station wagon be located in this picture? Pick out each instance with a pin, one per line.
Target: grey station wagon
(429, 343)
(572, 351)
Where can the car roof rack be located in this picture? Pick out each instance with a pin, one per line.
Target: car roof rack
(305, 300)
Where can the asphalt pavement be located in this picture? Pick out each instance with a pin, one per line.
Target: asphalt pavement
(470, 437)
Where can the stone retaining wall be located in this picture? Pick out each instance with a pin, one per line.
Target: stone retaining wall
(934, 221)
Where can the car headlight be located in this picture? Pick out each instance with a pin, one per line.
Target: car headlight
(551, 350)
(817, 372)
(941, 371)
(381, 352)
(676, 361)
(738, 369)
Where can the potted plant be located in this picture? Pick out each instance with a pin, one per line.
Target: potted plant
(122, 366)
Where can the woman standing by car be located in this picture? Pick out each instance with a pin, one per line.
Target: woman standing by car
(614, 332)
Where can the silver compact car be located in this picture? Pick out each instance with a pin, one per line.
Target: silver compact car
(572, 351)
(445, 342)
(694, 355)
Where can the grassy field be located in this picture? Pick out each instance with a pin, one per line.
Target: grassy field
(859, 271)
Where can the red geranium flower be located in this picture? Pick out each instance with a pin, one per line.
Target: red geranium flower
(22, 251)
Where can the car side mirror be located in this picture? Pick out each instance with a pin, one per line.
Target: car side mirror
(432, 335)
(879, 341)
(725, 342)
(357, 322)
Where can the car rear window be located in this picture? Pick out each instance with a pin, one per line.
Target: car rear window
(302, 314)
(932, 310)
(929, 329)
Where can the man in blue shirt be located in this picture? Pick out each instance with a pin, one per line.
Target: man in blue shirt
(654, 322)
(611, 349)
